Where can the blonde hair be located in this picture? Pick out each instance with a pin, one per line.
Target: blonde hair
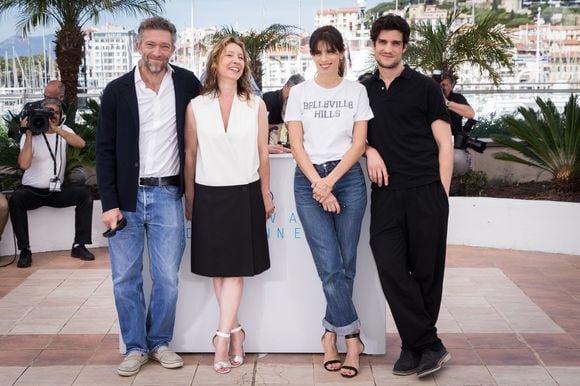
(210, 84)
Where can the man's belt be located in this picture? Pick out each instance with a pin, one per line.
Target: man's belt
(159, 181)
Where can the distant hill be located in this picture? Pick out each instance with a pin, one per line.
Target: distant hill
(30, 46)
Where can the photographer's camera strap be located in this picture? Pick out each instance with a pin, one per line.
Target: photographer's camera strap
(52, 155)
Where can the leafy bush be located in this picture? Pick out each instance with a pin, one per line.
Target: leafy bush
(546, 139)
(489, 125)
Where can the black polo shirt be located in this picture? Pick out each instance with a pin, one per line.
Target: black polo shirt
(401, 128)
(456, 119)
(274, 104)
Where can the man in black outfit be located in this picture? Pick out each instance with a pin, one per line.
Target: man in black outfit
(410, 162)
(458, 106)
(275, 100)
(43, 159)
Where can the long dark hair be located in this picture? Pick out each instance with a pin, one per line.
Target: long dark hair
(329, 36)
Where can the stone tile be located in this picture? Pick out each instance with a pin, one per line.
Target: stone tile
(9, 375)
(38, 326)
(461, 356)
(110, 341)
(464, 375)
(84, 326)
(18, 357)
(101, 376)
(154, 374)
(302, 359)
(506, 357)
(521, 375)
(364, 377)
(105, 356)
(565, 376)
(54, 375)
(495, 341)
(25, 342)
(77, 342)
(50, 312)
(63, 357)
(13, 313)
(281, 374)
(494, 326)
(6, 326)
(559, 356)
(549, 341)
(383, 376)
(205, 375)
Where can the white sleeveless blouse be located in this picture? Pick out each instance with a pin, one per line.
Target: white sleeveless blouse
(226, 158)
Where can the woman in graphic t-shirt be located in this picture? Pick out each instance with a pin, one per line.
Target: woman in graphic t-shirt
(327, 120)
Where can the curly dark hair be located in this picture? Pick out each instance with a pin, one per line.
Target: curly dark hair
(210, 84)
(391, 22)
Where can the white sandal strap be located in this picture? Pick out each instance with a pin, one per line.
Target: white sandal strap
(237, 329)
(222, 334)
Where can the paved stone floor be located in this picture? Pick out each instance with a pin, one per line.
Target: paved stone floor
(508, 318)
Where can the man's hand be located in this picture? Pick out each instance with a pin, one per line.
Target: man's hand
(111, 217)
(376, 167)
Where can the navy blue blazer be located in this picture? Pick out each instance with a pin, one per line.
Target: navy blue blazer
(117, 142)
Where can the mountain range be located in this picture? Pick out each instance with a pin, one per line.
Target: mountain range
(29, 46)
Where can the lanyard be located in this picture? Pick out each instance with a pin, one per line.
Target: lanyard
(52, 155)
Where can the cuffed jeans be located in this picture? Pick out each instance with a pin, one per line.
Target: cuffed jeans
(333, 240)
(159, 216)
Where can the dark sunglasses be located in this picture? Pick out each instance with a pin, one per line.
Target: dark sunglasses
(112, 232)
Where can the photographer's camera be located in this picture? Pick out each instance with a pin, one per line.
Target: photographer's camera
(38, 117)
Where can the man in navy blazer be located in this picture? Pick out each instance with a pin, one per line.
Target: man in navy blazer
(140, 156)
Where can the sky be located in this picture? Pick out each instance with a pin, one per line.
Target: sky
(241, 14)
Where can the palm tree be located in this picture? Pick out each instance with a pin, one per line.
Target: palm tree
(485, 45)
(276, 36)
(70, 16)
(546, 139)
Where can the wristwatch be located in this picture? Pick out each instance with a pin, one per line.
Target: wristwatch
(447, 103)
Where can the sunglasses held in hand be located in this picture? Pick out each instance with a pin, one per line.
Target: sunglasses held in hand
(112, 232)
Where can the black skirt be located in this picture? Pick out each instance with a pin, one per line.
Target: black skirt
(228, 235)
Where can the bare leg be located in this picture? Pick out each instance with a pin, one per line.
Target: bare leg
(228, 291)
(354, 347)
(331, 361)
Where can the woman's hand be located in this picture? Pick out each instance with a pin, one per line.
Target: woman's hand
(321, 189)
(268, 204)
(330, 204)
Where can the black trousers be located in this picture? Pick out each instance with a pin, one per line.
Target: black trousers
(28, 198)
(408, 240)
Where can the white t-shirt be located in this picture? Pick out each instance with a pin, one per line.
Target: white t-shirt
(41, 169)
(328, 116)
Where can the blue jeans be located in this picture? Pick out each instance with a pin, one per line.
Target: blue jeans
(159, 215)
(333, 240)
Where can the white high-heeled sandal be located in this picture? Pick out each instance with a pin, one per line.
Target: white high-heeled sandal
(221, 367)
(237, 360)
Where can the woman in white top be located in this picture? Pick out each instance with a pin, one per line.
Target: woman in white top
(227, 189)
(327, 120)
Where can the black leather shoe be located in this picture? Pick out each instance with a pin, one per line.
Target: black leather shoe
(408, 362)
(25, 259)
(82, 253)
(432, 361)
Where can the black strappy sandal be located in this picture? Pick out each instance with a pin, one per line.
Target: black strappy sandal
(332, 361)
(352, 368)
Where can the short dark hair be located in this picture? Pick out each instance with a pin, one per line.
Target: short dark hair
(391, 22)
(158, 23)
(449, 75)
(333, 40)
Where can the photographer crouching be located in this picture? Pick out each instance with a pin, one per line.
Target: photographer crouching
(43, 158)
(458, 108)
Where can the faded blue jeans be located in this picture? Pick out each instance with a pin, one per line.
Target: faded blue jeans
(159, 216)
(333, 240)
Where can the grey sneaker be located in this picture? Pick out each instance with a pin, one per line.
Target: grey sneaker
(132, 363)
(166, 357)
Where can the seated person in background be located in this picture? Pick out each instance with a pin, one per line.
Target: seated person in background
(3, 213)
(43, 159)
(276, 104)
